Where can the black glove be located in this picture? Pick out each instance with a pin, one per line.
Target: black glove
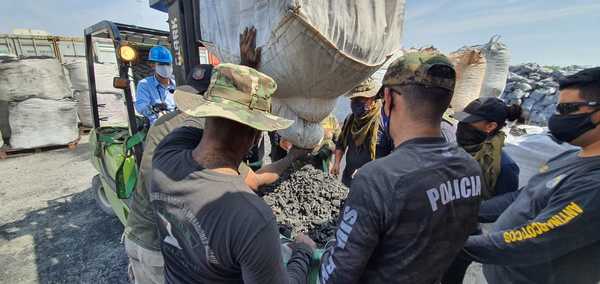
(160, 107)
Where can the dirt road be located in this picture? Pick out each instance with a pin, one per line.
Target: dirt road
(51, 230)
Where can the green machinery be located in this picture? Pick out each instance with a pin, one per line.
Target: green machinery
(116, 150)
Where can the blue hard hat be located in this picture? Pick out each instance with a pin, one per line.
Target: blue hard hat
(160, 54)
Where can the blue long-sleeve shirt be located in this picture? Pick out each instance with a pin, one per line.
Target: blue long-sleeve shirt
(151, 92)
(549, 234)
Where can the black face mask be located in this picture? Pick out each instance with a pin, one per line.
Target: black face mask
(567, 128)
(467, 135)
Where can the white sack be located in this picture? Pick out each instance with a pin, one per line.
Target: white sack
(40, 122)
(104, 74)
(531, 151)
(77, 69)
(302, 133)
(309, 109)
(111, 109)
(33, 77)
(497, 57)
(470, 71)
(313, 49)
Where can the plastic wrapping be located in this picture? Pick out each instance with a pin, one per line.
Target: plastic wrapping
(40, 122)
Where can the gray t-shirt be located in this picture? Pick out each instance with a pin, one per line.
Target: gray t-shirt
(213, 228)
(550, 233)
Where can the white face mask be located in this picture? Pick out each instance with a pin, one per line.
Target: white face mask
(164, 71)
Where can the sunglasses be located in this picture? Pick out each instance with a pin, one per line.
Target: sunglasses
(568, 108)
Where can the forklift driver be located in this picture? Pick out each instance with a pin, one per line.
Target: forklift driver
(155, 93)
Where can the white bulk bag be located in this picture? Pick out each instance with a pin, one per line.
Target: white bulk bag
(111, 109)
(104, 74)
(32, 77)
(470, 70)
(40, 122)
(313, 49)
(497, 57)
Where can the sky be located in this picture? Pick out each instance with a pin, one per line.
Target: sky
(548, 32)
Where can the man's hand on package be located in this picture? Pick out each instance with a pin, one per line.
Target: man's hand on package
(249, 54)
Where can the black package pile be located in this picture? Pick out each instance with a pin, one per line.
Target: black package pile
(306, 199)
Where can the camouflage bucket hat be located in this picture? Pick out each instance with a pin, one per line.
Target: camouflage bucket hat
(366, 89)
(425, 67)
(235, 92)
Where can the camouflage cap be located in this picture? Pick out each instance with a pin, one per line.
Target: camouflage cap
(366, 89)
(235, 92)
(425, 67)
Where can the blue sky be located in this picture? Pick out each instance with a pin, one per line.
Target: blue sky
(549, 32)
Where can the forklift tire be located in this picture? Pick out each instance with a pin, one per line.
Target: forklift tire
(100, 196)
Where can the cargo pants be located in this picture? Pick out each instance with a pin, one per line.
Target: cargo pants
(145, 266)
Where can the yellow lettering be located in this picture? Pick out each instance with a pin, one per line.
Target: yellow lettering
(536, 229)
(507, 238)
(575, 207)
(531, 231)
(518, 236)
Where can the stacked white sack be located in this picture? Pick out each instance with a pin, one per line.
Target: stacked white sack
(40, 122)
(34, 77)
(315, 50)
(36, 80)
(111, 101)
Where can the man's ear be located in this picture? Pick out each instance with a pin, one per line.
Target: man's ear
(489, 127)
(387, 99)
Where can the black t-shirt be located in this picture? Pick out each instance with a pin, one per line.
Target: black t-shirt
(212, 227)
(407, 216)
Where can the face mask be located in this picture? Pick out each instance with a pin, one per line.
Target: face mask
(568, 127)
(467, 135)
(358, 108)
(164, 71)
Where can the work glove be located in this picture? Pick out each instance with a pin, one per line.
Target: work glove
(159, 107)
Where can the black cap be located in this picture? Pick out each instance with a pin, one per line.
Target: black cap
(484, 108)
(583, 77)
(199, 78)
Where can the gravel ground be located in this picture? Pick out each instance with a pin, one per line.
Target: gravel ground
(51, 230)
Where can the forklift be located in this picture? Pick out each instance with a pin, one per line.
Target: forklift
(116, 150)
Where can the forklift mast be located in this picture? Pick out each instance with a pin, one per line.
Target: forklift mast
(185, 35)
